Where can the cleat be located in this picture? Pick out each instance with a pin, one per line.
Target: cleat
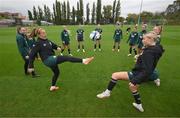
(157, 82)
(103, 95)
(129, 55)
(138, 107)
(53, 88)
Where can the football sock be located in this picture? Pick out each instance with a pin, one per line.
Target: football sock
(111, 84)
(137, 97)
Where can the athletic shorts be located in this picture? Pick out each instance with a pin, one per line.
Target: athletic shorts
(50, 61)
(66, 43)
(117, 40)
(80, 39)
(132, 44)
(137, 78)
(140, 46)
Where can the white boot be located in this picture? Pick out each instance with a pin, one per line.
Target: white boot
(104, 94)
(157, 82)
(138, 107)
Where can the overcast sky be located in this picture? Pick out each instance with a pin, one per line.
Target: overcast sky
(127, 6)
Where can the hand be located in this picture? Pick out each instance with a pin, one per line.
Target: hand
(30, 70)
(27, 57)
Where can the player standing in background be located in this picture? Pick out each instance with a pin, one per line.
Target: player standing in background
(118, 36)
(80, 38)
(98, 41)
(133, 38)
(65, 40)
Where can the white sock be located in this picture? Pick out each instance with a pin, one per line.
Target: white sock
(83, 61)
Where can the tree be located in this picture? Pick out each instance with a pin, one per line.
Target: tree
(98, 12)
(107, 13)
(132, 18)
(118, 11)
(73, 16)
(78, 13)
(64, 11)
(93, 13)
(113, 12)
(34, 13)
(81, 11)
(54, 14)
(47, 14)
(68, 12)
(58, 11)
(30, 15)
(87, 13)
(40, 13)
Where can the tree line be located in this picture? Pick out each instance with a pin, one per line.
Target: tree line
(63, 13)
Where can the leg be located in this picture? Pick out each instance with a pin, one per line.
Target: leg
(95, 43)
(56, 72)
(69, 50)
(26, 68)
(62, 50)
(62, 59)
(134, 49)
(115, 77)
(26, 65)
(114, 46)
(155, 77)
(134, 89)
(99, 42)
(78, 45)
(118, 46)
(83, 46)
(130, 50)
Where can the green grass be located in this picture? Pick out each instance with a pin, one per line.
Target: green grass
(23, 96)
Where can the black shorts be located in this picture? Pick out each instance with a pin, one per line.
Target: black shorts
(137, 78)
(132, 44)
(66, 43)
(80, 39)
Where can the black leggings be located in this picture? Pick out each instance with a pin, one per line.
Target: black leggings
(62, 59)
(26, 66)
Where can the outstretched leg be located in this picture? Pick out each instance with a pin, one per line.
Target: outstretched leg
(62, 59)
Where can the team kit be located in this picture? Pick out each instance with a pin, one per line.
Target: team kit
(146, 46)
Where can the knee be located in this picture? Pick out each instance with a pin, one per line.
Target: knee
(114, 76)
(133, 87)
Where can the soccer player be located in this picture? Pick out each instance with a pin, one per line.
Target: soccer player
(98, 41)
(128, 30)
(118, 35)
(141, 72)
(80, 38)
(65, 41)
(158, 30)
(140, 38)
(155, 76)
(46, 48)
(24, 49)
(133, 38)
